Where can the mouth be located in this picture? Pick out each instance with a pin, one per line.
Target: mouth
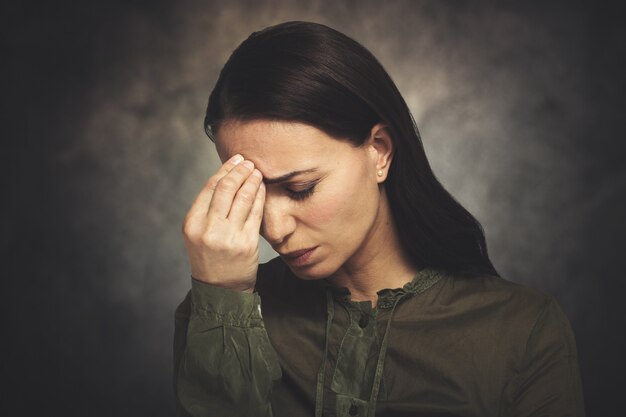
(299, 257)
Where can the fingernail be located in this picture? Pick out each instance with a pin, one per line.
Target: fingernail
(248, 164)
(236, 159)
(257, 173)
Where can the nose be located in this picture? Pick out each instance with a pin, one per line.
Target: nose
(278, 222)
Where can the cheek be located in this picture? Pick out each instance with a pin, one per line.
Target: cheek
(343, 206)
(322, 215)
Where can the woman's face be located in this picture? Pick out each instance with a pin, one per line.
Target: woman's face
(322, 193)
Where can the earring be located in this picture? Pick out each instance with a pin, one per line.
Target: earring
(380, 173)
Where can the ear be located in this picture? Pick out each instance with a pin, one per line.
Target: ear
(380, 147)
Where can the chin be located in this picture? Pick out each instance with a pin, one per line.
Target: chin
(312, 272)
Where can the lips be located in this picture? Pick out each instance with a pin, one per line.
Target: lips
(296, 253)
(299, 258)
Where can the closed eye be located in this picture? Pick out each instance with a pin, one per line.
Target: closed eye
(302, 194)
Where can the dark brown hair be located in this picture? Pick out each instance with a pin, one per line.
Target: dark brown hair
(310, 73)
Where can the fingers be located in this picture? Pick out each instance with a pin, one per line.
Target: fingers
(253, 222)
(221, 249)
(245, 198)
(202, 201)
(227, 188)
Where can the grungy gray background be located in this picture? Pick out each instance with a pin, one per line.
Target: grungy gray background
(520, 105)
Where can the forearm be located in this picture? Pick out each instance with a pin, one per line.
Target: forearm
(224, 363)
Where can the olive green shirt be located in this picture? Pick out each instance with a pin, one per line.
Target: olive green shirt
(440, 346)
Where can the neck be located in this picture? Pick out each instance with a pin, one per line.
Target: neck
(379, 263)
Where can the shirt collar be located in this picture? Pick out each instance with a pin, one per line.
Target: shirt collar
(423, 280)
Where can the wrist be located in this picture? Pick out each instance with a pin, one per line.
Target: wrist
(241, 287)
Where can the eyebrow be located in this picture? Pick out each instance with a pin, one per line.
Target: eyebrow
(288, 176)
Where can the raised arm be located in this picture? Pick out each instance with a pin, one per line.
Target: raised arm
(224, 364)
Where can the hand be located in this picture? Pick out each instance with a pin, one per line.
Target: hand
(221, 229)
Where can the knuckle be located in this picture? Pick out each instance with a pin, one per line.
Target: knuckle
(227, 184)
(210, 239)
(250, 250)
(242, 250)
(216, 242)
(212, 183)
(186, 229)
(189, 229)
(246, 197)
(252, 243)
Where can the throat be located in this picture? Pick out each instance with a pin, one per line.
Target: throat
(380, 263)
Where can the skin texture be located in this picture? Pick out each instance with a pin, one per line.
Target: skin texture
(221, 228)
(346, 217)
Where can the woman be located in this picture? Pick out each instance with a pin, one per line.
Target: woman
(383, 300)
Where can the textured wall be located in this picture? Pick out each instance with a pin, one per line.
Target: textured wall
(518, 106)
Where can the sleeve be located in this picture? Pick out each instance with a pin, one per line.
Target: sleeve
(548, 382)
(224, 364)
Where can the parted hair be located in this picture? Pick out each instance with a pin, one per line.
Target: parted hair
(310, 73)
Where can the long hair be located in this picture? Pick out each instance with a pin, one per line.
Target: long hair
(309, 73)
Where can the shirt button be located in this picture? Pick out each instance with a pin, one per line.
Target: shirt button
(354, 410)
(363, 321)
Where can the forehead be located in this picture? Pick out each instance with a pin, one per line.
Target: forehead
(277, 147)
